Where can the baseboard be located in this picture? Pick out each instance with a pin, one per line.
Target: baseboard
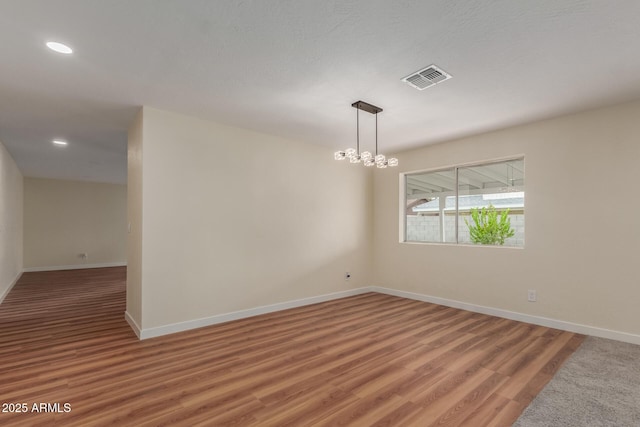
(536, 320)
(134, 325)
(13, 283)
(227, 317)
(75, 267)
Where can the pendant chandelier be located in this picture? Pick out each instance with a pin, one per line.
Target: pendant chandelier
(366, 158)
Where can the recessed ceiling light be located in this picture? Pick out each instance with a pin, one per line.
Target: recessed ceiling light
(59, 47)
(59, 142)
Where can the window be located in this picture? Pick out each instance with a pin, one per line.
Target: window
(476, 204)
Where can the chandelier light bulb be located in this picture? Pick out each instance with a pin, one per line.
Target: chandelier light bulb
(340, 155)
(59, 47)
(392, 162)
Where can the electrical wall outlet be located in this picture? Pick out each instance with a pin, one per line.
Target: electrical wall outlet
(532, 295)
(83, 255)
(347, 276)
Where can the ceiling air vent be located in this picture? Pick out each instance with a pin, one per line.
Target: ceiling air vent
(427, 77)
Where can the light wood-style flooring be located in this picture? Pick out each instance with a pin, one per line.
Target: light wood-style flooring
(367, 360)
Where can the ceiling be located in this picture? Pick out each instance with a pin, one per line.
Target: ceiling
(293, 67)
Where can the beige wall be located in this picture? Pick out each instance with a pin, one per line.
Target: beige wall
(582, 224)
(11, 238)
(235, 219)
(134, 215)
(63, 219)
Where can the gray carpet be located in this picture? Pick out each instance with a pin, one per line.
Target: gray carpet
(599, 385)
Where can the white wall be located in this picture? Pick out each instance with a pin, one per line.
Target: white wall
(232, 219)
(11, 239)
(63, 219)
(584, 266)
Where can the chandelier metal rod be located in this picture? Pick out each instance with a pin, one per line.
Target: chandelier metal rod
(376, 134)
(358, 131)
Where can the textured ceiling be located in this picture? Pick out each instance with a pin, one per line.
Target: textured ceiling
(292, 68)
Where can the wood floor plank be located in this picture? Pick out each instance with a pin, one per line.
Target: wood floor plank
(520, 379)
(482, 415)
(370, 359)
